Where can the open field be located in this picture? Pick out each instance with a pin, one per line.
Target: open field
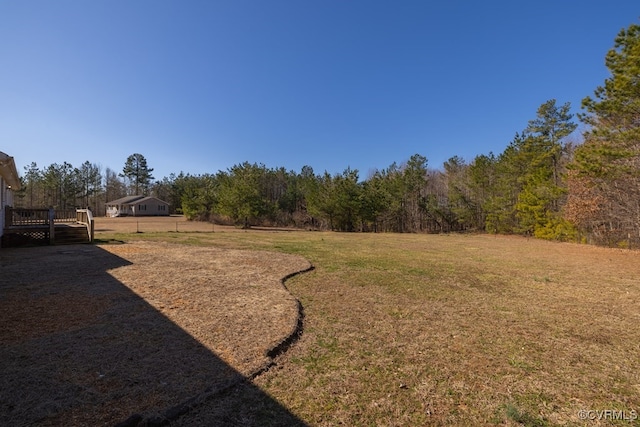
(426, 329)
(91, 335)
(132, 224)
(452, 329)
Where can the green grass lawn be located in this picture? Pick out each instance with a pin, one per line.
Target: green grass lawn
(406, 329)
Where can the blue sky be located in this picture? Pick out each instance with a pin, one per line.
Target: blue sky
(198, 86)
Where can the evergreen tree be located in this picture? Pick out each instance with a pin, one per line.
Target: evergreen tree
(550, 128)
(542, 195)
(415, 180)
(605, 180)
(482, 181)
(321, 197)
(138, 173)
(527, 189)
(90, 184)
(375, 200)
(500, 206)
(62, 185)
(394, 218)
(198, 195)
(165, 189)
(32, 188)
(239, 195)
(459, 193)
(347, 200)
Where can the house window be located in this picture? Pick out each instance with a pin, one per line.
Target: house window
(162, 207)
(143, 207)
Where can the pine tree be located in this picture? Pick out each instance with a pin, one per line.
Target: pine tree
(239, 195)
(32, 179)
(606, 169)
(138, 173)
(90, 183)
(542, 195)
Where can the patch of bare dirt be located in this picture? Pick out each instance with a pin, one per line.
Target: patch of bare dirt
(93, 334)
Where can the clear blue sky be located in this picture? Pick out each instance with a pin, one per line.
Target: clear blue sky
(198, 86)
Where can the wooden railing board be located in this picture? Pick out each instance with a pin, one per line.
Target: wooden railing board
(85, 217)
(24, 219)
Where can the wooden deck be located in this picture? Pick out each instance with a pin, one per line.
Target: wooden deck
(46, 226)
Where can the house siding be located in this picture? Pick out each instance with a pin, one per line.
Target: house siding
(9, 181)
(4, 201)
(140, 206)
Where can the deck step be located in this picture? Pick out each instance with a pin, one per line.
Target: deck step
(69, 235)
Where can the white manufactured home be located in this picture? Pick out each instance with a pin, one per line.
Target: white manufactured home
(137, 206)
(9, 182)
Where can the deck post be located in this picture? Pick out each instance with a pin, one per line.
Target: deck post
(52, 226)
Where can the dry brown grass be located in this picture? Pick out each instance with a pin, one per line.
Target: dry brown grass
(91, 335)
(173, 223)
(464, 330)
(429, 330)
(453, 330)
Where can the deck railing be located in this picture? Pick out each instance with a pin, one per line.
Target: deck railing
(65, 215)
(18, 217)
(85, 217)
(25, 218)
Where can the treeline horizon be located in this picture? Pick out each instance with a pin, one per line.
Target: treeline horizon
(541, 185)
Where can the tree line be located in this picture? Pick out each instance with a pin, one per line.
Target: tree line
(64, 186)
(543, 184)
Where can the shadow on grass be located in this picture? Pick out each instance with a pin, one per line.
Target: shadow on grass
(77, 347)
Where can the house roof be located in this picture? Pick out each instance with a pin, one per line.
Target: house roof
(134, 200)
(8, 171)
(147, 199)
(125, 200)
